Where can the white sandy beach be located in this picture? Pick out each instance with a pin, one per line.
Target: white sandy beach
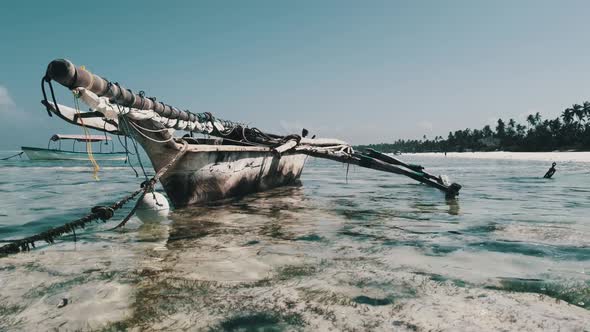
(505, 155)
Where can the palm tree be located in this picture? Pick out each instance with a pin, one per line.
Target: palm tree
(511, 129)
(537, 117)
(520, 130)
(586, 108)
(578, 111)
(533, 120)
(501, 129)
(567, 115)
(555, 126)
(487, 131)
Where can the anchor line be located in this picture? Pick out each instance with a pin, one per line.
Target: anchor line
(103, 213)
(16, 155)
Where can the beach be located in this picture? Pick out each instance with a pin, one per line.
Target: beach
(583, 157)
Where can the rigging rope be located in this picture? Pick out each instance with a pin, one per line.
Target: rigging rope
(125, 122)
(95, 166)
(127, 152)
(147, 137)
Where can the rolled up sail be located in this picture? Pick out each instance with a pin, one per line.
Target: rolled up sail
(67, 74)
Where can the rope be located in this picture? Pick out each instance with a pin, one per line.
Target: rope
(149, 138)
(127, 152)
(125, 121)
(95, 166)
(18, 154)
(150, 130)
(149, 185)
(103, 213)
(49, 236)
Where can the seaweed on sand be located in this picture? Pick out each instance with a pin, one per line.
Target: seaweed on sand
(8, 311)
(261, 321)
(576, 293)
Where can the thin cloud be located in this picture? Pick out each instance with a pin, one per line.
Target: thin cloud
(6, 101)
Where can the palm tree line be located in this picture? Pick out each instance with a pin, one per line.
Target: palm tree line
(569, 131)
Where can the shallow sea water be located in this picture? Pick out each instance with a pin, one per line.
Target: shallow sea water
(365, 252)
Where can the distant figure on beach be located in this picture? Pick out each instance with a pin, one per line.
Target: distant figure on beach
(550, 172)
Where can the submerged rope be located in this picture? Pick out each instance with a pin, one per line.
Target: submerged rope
(103, 213)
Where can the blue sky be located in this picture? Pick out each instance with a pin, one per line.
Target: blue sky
(364, 71)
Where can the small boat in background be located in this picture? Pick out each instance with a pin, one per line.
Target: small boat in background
(59, 154)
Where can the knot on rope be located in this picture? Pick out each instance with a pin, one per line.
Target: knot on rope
(147, 184)
(104, 212)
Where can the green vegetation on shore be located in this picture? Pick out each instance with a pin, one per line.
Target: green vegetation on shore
(570, 131)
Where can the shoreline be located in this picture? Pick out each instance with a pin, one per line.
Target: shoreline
(569, 156)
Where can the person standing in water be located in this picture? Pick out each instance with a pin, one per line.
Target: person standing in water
(550, 172)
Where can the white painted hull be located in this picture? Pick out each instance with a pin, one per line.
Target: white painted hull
(214, 172)
(209, 176)
(48, 154)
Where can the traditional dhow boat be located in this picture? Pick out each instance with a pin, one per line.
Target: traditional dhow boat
(231, 160)
(57, 153)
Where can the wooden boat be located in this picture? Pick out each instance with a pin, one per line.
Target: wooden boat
(57, 153)
(238, 161)
(214, 169)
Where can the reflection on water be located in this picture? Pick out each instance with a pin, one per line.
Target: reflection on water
(453, 204)
(376, 252)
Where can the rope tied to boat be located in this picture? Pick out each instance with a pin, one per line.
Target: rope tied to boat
(103, 213)
(16, 155)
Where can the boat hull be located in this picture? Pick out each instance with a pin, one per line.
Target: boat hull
(215, 172)
(48, 154)
(214, 175)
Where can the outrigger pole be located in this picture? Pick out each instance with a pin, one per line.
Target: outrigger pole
(78, 78)
(382, 162)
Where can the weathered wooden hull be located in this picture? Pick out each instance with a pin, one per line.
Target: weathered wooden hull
(49, 154)
(214, 172)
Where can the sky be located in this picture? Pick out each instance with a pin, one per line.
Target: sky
(363, 71)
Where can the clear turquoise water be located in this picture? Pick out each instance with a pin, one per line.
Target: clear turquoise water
(371, 252)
